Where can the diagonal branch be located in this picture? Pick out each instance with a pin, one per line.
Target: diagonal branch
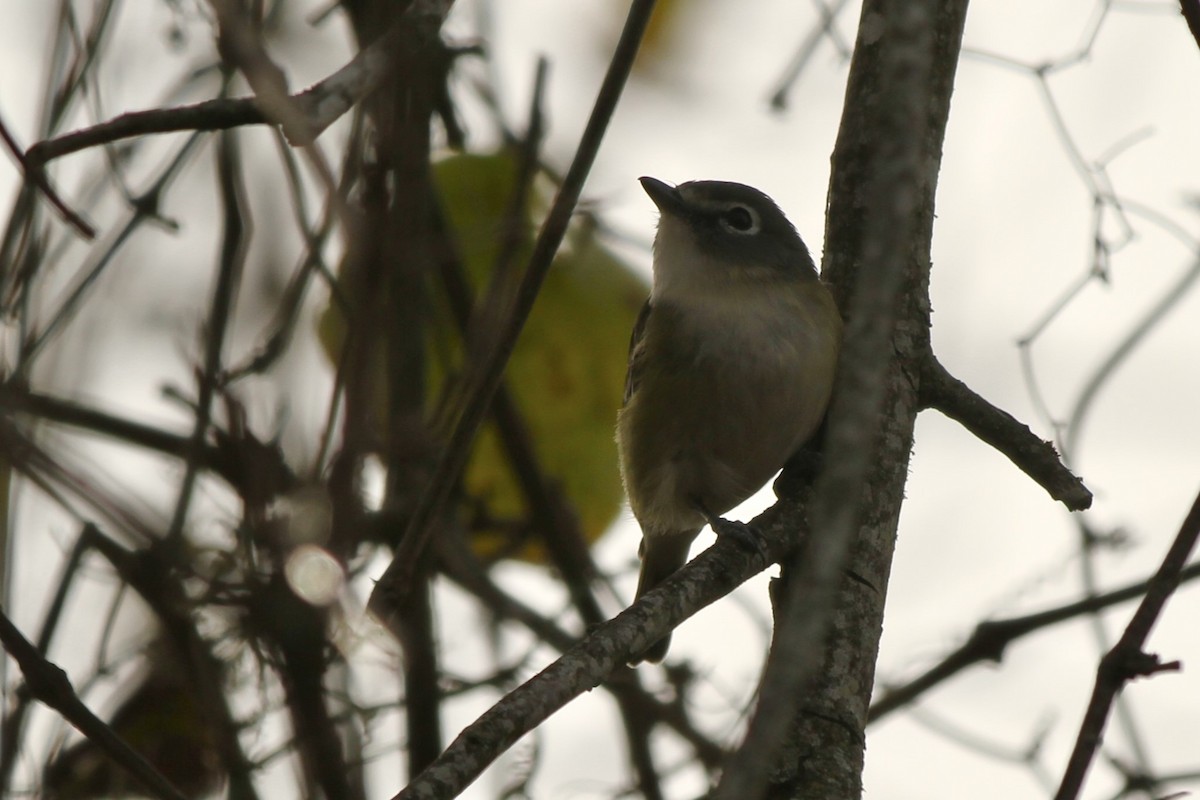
(991, 638)
(38, 178)
(704, 580)
(50, 684)
(1126, 660)
(1036, 458)
(309, 112)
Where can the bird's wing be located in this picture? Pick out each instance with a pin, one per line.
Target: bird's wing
(636, 352)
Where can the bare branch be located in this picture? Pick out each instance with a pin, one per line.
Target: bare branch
(39, 179)
(904, 53)
(311, 111)
(1126, 660)
(990, 639)
(704, 580)
(1036, 458)
(49, 684)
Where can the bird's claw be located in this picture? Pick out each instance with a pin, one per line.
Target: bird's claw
(741, 533)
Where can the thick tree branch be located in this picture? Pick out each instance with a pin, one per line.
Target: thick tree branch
(1036, 458)
(841, 498)
(878, 231)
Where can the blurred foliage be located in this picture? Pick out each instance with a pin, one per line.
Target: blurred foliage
(566, 373)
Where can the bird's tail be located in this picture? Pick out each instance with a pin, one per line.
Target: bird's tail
(661, 556)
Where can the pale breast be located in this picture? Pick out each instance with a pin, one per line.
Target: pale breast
(745, 390)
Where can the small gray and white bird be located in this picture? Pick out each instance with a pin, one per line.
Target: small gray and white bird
(731, 366)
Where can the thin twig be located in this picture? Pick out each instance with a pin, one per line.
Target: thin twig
(824, 27)
(234, 243)
(145, 207)
(460, 565)
(1126, 660)
(318, 107)
(10, 730)
(990, 639)
(1036, 458)
(38, 178)
(1149, 321)
(50, 684)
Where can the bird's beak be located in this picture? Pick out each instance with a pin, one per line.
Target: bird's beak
(665, 196)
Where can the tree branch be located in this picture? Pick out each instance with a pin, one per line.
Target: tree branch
(310, 111)
(38, 178)
(704, 580)
(991, 638)
(1126, 660)
(50, 684)
(1036, 458)
(888, 146)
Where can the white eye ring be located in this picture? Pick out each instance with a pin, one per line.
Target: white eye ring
(741, 220)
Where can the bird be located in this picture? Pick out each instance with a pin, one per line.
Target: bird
(731, 368)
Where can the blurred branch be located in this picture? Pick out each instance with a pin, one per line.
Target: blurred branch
(552, 516)
(312, 263)
(1151, 319)
(50, 684)
(58, 480)
(309, 112)
(39, 179)
(990, 639)
(241, 461)
(459, 565)
(551, 513)
(209, 115)
(1126, 660)
(146, 207)
(396, 582)
(237, 228)
(825, 27)
(158, 575)
(14, 720)
(1033, 456)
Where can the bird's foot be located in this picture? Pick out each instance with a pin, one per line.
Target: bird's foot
(742, 534)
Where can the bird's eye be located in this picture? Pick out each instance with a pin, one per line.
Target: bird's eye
(740, 219)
